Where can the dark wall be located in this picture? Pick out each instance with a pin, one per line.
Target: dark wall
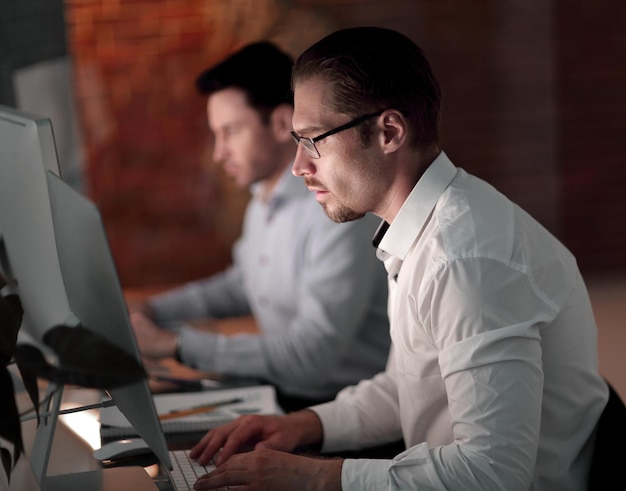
(31, 31)
(534, 102)
(590, 95)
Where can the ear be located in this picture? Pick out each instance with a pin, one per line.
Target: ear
(394, 134)
(280, 121)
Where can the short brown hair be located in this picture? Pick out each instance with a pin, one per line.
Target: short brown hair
(372, 68)
(261, 70)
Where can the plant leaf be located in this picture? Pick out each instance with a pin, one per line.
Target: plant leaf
(11, 313)
(31, 364)
(89, 360)
(6, 461)
(10, 426)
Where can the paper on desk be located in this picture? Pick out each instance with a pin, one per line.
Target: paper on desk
(259, 399)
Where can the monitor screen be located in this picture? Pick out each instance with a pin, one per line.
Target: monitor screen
(54, 246)
(96, 298)
(27, 246)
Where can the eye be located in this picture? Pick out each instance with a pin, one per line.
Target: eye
(230, 130)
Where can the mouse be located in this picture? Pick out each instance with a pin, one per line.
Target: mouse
(122, 449)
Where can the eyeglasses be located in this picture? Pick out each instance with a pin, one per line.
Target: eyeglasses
(309, 143)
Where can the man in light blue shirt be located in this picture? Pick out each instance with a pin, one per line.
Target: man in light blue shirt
(316, 292)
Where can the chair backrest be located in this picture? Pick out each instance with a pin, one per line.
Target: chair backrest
(607, 465)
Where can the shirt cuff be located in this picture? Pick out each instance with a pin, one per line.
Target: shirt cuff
(339, 427)
(197, 348)
(365, 474)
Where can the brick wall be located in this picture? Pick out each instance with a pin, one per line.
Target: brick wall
(530, 104)
(170, 213)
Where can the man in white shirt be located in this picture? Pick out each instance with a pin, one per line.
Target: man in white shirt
(317, 296)
(492, 379)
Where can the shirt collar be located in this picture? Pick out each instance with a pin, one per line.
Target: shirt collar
(398, 237)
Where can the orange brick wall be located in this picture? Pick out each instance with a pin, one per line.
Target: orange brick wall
(170, 213)
(520, 109)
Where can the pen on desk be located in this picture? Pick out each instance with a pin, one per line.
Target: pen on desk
(204, 408)
(194, 383)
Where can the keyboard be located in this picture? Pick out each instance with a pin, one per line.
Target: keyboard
(186, 471)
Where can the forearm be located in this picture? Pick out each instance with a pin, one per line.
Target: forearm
(307, 426)
(218, 296)
(328, 475)
(361, 416)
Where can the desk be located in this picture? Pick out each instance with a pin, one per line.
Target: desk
(69, 454)
(72, 455)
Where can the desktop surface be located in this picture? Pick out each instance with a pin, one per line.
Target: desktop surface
(72, 454)
(72, 465)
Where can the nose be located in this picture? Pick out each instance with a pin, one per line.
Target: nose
(219, 149)
(302, 164)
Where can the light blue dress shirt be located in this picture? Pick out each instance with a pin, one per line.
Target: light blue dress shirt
(315, 287)
(493, 375)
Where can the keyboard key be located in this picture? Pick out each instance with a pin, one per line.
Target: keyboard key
(186, 471)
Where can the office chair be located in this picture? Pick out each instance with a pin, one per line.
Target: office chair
(607, 465)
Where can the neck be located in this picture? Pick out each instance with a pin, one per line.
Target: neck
(269, 183)
(408, 172)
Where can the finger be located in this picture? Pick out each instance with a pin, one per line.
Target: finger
(198, 447)
(214, 441)
(223, 478)
(137, 317)
(205, 450)
(230, 447)
(248, 428)
(273, 442)
(209, 482)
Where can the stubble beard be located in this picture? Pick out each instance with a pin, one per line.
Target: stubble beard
(341, 213)
(338, 213)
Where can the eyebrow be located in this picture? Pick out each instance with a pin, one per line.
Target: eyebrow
(310, 129)
(228, 125)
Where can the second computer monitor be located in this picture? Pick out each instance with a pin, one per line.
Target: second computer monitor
(53, 244)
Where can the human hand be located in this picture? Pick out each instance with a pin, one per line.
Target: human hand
(141, 306)
(264, 469)
(229, 326)
(258, 431)
(151, 339)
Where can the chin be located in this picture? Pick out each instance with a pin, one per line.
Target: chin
(242, 183)
(342, 214)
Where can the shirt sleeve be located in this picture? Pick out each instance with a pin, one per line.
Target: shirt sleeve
(336, 317)
(221, 295)
(490, 360)
(333, 304)
(363, 415)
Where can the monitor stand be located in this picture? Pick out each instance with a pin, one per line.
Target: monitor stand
(111, 479)
(44, 436)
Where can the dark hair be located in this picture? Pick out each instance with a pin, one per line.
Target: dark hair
(372, 68)
(260, 69)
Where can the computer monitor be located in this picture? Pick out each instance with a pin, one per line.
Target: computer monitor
(27, 153)
(54, 245)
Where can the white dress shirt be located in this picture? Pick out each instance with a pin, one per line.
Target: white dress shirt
(493, 376)
(316, 289)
